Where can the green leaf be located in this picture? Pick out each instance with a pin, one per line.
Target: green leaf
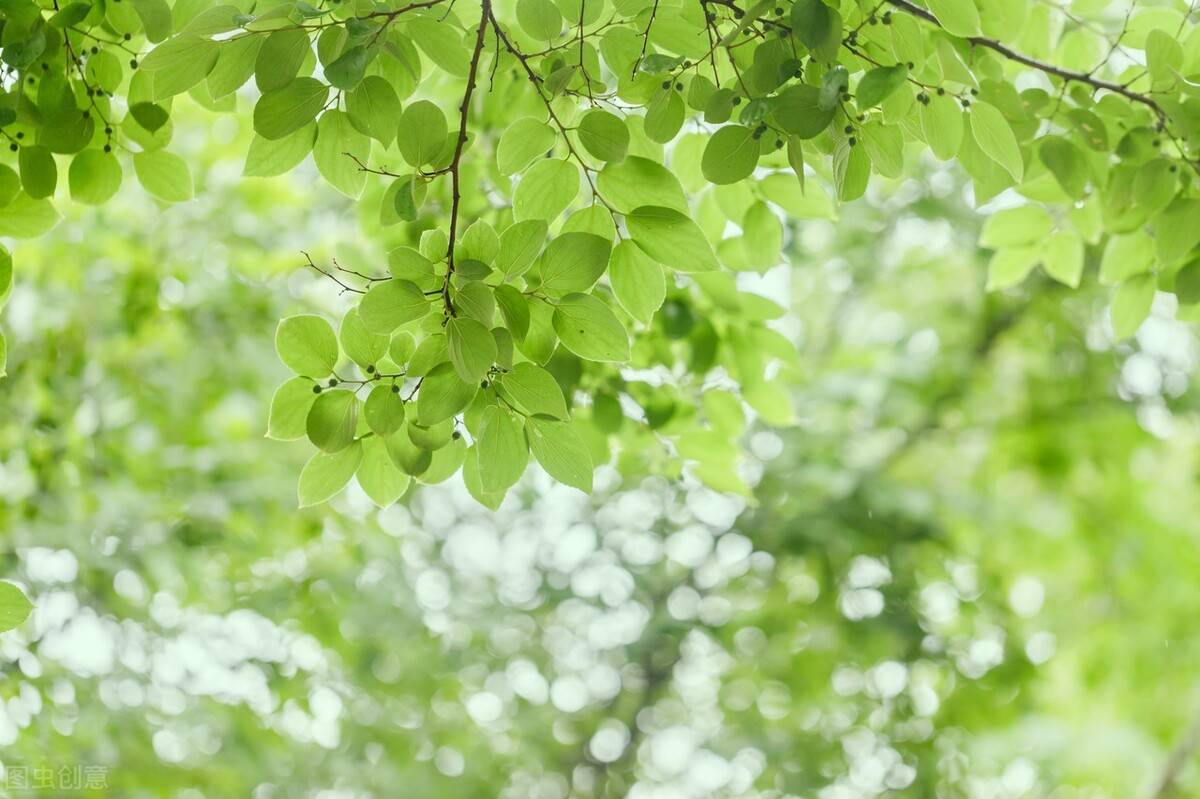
(10, 185)
(1024, 224)
(70, 15)
(270, 157)
(762, 237)
(514, 308)
(27, 218)
(812, 22)
(664, 115)
(442, 42)
(541, 19)
(995, 137)
(289, 409)
(1175, 232)
(546, 189)
(156, 19)
(39, 173)
(1155, 185)
(731, 155)
(472, 348)
(392, 303)
(165, 175)
(384, 410)
(639, 181)
(374, 109)
(179, 64)
(573, 262)
(879, 84)
(520, 244)
(378, 475)
(234, 66)
(475, 299)
(942, 124)
(851, 170)
(407, 456)
(1131, 304)
(604, 135)
(502, 450)
(671, 238)
(1009, 267)
(332, 420)
(6, 275)
(587, 327)
(833, 85)
(1067, 164)
(423, 133)
(524, 140)
(443, 395)
(959, 17)
(1063, 258)
(280, 58)
(637, 281)
(94, 177)
(363, 346)
(306, 345)
(1126, 256)
(14, 606)
(150, 116)
(326, 474)
(3, 357)
(798, 111)
(347, 71)
(532, 390)
(276, 114)
(335, 138)
(561, 452)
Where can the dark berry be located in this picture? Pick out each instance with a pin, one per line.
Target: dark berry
(483, 384)
(370, 370)
(395, 388)
(941, 92)
(456, 435)
(133, 63)
(333, 382)
(128, 36)
(13, 147)
(20, 135)
(666, 84)
(853, 141)
(316, 389)
(678, 86)
(108, 148)
(737, 100)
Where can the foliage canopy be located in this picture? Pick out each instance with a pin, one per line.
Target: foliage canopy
(555, 183)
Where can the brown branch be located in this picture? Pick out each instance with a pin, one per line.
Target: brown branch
(331, 276)
(455, 178)
(1042, 66)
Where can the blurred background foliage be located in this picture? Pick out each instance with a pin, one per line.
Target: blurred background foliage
(969, 569)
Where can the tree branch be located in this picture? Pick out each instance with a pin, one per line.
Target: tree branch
(455, 177)
(1042, 66)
